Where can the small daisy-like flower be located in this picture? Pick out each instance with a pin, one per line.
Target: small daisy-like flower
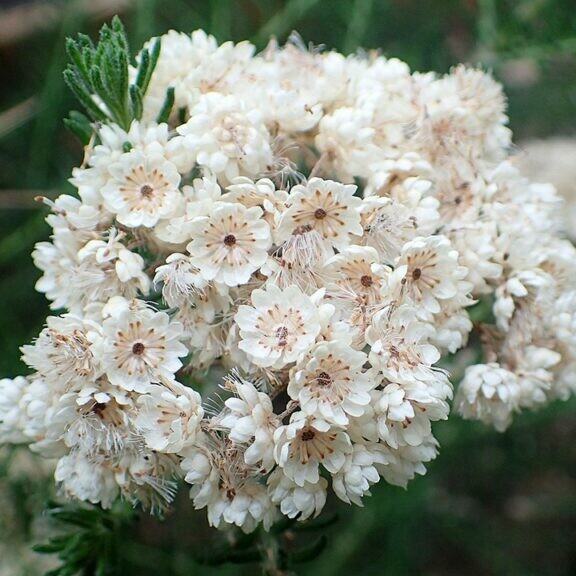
(330, 383)
(301, 446)
(181, 279)
(169, 417)
(391, 222)
(298, 261)
(230, 244)
(427, 272)
(143, 189)
(139, 348)
(278, 327)
(399, 347)
(61, 353)
(357, 281)
(326, 206)
(93, 422)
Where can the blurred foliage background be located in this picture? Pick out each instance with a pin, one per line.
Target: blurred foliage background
(492, 503)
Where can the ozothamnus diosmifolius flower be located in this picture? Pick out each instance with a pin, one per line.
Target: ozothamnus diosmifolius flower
(267, 258)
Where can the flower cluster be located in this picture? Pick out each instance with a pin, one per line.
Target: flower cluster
(310, 231)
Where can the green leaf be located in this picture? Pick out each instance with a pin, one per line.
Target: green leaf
(136, 101)
(80, 126)
(167, 106)
(74, 52)
(143, 68)
(120, 34)
(102, 70)
(83, 96)
(154, 55)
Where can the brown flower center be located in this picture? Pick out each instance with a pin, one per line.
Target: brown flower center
(146, 191)
(308, 435)
(320, 214)
(416, 273)
(324, 379)
(366, 281)
(282, 335)
(138, 348)
(229, 240)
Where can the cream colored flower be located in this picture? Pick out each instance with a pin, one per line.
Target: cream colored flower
(230, 244)
(301, 446)
(278, 327)
(330, 383)
(142, 190)
(328, 207)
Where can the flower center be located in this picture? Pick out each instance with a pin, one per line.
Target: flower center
(146, 191)
(320, 214)
(282, 335)
(366, 281)
(138, 348)
(308, 435)
(324, 379)
(416, 273)
(229, 240)
(98, 409)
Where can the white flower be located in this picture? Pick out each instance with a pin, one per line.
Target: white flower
(93, 422)
(356, 271)
(226, 138)
(11, 415)
(180, 278)
(488, 393)
(87, 478)
(169, 417)
(330, 383)
(404, 412)
(61, 353)
(346, 136)
(389, 223)
(359, 472)
(305, 443)
(278, 327)
(399, 347)
(230, 244)
(427, 272)
(357, 284)
(77, 274)
(251, 420)
(306, 501)
(328, 207)
(142, 189)
(198, 201)
(222, 482)
(407, 461)
(139, 348)
(298, 261)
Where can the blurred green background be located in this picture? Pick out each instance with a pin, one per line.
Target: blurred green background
(492, 503)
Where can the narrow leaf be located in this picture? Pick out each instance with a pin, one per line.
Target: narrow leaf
(167, 106)
(136, 101)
